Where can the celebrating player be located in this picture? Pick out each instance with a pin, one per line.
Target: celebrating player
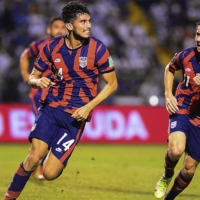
(69, 96)
(184, 123)
(55, 28)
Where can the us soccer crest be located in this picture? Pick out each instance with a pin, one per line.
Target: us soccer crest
(82, 62)
(173, 124)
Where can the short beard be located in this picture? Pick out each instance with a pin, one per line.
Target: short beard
(79, 37)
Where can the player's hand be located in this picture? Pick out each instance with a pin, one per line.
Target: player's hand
(197, 80)
(81, 114)
(171, 104)
(44, 82)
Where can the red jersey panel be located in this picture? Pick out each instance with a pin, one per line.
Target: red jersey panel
(75, 71)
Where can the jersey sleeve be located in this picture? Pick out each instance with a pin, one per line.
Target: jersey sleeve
(33, 51)
(104, 60)
(43, 61)
(176, 62)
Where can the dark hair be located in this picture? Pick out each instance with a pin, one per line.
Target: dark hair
(53, 19)
(72, 9)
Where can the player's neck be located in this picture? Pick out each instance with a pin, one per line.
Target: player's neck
(73, 43)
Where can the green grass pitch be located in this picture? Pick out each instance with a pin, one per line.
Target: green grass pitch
(97, 172)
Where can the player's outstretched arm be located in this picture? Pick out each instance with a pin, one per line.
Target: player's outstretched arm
(24, 65)
(37, 81)
(111, 85)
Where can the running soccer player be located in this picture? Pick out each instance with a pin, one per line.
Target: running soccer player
(55, 28)
(184, 123)
(77, 61)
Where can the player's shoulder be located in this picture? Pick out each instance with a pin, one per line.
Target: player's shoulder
(187, 51)
(41, 41)
(94, 39)
(59, 40)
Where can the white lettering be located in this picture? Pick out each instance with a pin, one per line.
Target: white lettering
(136, 127)
(20, 121)
(115, 123)
(94, 129)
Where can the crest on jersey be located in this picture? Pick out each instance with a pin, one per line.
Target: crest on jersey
(82, 62)
(173, 124)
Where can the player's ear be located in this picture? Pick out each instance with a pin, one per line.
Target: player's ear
(48, 31)
(69, 26)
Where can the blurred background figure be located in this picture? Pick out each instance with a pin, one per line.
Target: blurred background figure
(141, 35)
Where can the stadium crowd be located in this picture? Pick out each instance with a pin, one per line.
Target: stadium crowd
(142, 36)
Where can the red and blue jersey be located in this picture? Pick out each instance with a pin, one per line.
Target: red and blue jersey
(75, 71)
(187, 93)
(35, 94)
(33, 51)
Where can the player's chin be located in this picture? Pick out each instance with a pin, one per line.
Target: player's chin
(198, 48)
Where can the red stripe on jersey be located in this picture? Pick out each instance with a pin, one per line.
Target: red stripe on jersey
(33, 48)
(99, 47)
(183, 111)
(186, 91)
(91, 51)
(55, 91)
(47, 73)
(188, 57)
(83, 96)
(37, 65)
(44, 93)
(67, 96)
(66, 155)
(57, 47)
(44, 58)
(195, 121)
(180, 101)
(68, 92)
(104, 58)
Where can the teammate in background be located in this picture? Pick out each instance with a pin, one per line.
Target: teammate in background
(55, 28)
(184, 123)
(77, 61)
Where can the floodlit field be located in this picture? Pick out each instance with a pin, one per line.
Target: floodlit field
(97, 172)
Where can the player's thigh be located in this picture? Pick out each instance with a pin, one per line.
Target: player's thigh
(177, 140)
(189, 165)
(52, 167)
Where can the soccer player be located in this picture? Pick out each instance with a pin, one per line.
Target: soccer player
(55, 28)
(77, 61)
(184, 123)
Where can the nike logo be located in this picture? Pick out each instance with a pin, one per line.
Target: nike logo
(57, 60)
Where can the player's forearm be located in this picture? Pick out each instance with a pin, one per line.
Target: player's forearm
(24, 65)
(168, 81)
(104, 94)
